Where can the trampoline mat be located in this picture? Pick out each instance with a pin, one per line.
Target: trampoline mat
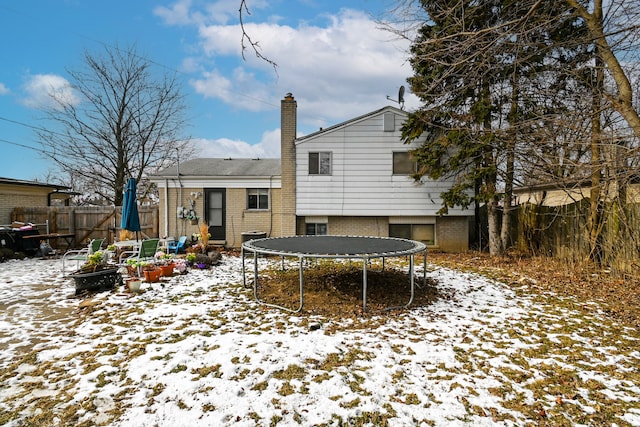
(335, 245)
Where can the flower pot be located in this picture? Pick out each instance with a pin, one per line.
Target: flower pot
(152, 275)
(134, 284)
(167, 270)
(194, 222)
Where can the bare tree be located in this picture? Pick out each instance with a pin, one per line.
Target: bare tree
(246, 37)
(127, 123)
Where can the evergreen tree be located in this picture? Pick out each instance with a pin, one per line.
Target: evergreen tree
(482, 70)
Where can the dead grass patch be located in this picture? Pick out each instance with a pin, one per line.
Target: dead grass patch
(334, 289)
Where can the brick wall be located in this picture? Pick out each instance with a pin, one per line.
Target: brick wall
(452, 233)
(359, 226)
(177, 227)
(12, 196)
(239, 219)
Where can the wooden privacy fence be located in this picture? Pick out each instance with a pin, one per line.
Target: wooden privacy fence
(87, 222)
(562, 232)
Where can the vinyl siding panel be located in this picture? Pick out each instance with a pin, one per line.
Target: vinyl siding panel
(362, 181)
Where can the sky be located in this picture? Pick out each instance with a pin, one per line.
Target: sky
(330, 54)
(197, 350)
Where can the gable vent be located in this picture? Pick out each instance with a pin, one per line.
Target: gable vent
(389, 122)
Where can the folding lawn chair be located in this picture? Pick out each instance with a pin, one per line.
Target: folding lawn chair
(176, 247)
(147, 250)
(81, 255)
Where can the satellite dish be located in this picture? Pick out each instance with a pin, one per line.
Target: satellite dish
(400, 100)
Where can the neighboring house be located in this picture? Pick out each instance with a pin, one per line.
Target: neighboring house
(561, 193)
(348, 179)
(19, 193)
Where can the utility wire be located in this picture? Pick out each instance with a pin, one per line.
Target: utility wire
(39, 150)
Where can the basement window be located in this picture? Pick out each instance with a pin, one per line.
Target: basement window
(424, 233)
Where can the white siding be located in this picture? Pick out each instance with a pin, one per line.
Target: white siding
(362, 182)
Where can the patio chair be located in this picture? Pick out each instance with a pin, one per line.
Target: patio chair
(176, 247)
(81, 255)
(146, 250)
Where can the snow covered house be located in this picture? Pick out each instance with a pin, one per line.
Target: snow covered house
(347, 179)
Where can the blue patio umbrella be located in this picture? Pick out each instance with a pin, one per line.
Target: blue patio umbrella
(130, 218)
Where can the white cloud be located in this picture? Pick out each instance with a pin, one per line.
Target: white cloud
(268, 147)
(43, 90)
(337, 71)
(340, 67)
(176, 14)
(182, 12)
(3, 89)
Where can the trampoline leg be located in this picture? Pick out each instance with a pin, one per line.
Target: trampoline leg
(364, 284)
(301, 273)
(255, 275)
(255, 287)
(244, 275)
(412, 282)
(424, 269)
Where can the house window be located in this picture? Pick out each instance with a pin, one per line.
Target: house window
(316, 229)
(403, 164)
(320, 163)
(424, 233)
(257, 198)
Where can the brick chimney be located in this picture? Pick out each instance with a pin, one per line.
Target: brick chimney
(288, 112)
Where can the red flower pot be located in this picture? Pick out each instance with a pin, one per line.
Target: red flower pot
(152, 275)
(167, 270)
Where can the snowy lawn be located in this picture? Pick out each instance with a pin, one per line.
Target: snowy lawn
(198, 351)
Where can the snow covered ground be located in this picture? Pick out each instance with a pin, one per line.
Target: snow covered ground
(199, 351)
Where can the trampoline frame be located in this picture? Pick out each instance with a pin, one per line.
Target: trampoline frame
(250, 246)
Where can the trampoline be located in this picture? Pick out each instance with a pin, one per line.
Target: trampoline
(339, 247)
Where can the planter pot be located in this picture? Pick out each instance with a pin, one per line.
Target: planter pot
(96, 281)
(194, 222)
(152, 275)
(134, 284)
(167, 270)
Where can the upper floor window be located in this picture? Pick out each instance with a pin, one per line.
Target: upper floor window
(257, 198)
(320, 163)
(403, 164)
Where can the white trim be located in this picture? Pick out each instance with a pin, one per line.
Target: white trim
(316, 220)
(214, 182)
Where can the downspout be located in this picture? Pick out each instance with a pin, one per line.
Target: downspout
(179, 201)
(166, 207)
(271, 201)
